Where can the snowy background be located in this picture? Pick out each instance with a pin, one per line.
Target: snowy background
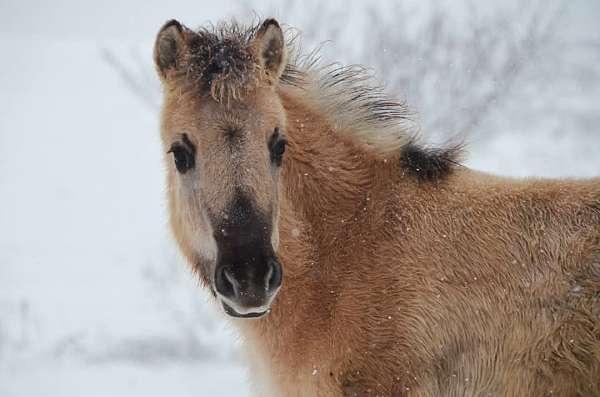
(94, 298)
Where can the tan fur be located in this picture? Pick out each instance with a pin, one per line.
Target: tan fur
(470, 285)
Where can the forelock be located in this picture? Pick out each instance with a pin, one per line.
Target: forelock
(219, 61)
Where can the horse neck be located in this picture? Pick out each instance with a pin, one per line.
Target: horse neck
(329, 186)
(326, 177)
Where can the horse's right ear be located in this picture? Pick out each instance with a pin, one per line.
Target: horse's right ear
(271, 49)
(169, 47)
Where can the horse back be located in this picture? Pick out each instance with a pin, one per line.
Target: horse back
(512, 272)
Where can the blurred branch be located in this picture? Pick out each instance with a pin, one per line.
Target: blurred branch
(138, 82)
(454, 72)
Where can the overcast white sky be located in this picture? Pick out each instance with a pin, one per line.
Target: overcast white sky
(138, 20)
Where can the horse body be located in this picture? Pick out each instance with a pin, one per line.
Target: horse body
(404, 274)
(471, 285)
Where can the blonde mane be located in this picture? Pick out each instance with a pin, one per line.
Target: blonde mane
(351, 98)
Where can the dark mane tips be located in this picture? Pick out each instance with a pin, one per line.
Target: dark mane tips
(429, 164)
(221, 62)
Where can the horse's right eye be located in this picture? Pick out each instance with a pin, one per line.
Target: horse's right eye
(184, 154)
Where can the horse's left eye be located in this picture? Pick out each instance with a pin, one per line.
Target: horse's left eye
(277, 145)
(184, 154)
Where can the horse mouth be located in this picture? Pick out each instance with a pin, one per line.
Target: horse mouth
(233, 313)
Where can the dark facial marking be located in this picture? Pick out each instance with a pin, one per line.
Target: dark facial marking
(277, 145)
(244, 239)
(244, 224)
(184, 154)
(247, 269)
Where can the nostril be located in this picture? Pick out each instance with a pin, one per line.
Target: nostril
(274, 275)
(225, 283)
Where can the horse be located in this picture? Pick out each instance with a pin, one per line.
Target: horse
(353, 259)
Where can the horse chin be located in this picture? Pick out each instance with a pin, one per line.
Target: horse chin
(233, 313)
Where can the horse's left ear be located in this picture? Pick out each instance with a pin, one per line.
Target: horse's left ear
(270, 48)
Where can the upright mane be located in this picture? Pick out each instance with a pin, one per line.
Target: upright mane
(352, 99)
(221, 60)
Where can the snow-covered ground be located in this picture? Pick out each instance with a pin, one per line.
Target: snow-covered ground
(94, 298)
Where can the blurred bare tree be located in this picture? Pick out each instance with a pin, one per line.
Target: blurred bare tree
(454, 70)
(136, 72)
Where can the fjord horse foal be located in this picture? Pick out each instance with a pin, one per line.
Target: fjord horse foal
(353, 261)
